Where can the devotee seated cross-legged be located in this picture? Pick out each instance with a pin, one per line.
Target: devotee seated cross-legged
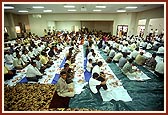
(64, 89)
(96, 82)
(33, 74)
(8, 74)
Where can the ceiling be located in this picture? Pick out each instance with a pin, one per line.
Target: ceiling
(80, 7)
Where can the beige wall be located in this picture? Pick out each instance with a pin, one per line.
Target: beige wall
(65, 21)
(150, 14)
(105, 26)
(67, 25)
(37, 25)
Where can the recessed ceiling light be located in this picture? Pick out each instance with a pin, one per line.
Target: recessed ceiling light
(131, 7)
(68, 6)
(22, 11)
(121, 10)
(38, 7)
(47, 10)
(8, 7)
(97, 10)
(100, 6)
(72, 10)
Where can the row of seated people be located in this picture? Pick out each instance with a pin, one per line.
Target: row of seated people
(65, 85)
(34, 73)
(128, 45)
(98, 78)
(125, 59)
(20, 57)
(137, 57)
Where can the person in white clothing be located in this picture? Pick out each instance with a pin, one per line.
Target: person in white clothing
(18, 62)
(94, 83)
(159, 69)
(134, 53)
(117, 57)
(90, 53)
(94, 59)
(96, 68)
(8, 57)
(25, 57)
(89, 66)
(160, 50)
(111, 53)
(149, 46)
(33, 74)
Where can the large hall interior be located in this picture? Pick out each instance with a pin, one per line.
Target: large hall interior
(83, 56)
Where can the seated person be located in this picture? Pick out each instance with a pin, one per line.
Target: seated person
(95, 84)
(39, 65)
(140, 59)
(33, 74)
(89, 65)
(26, 59)
(122, 60)
(102, 77)
(8, 74)
(64, 89)
(159, 69)
(111, 53)
(117, 57)
(160, 50)
(107, 48)
(128, 70)
(151, 62)
(69, 60)
(94, 59)
(69, 72)
(52, 52)
(97, 68)
(149, 46)
(18, 62)
(87, 51)
(45, 59)
(134, 53)
(8, 57)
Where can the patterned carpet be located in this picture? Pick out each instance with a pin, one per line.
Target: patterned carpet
(32, 97)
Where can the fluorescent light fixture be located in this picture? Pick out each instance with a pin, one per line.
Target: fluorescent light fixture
(22, 11)
(73, 10)
(97, 10)
(121, 10)
(38, 7)
(47, 10)
(131, 7)
(8, 7)
(100, 6)
(68, 6)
